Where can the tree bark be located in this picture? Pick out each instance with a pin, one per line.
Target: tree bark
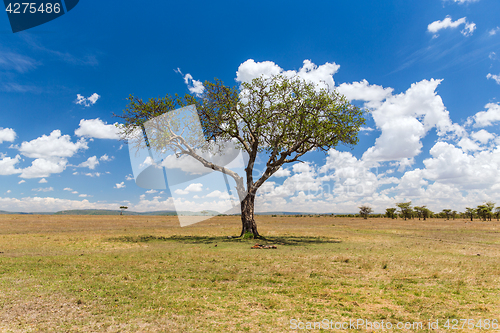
(247, 216)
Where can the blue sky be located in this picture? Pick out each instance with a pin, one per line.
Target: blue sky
(428, 72)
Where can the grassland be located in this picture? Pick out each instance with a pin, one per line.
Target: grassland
(146, 274)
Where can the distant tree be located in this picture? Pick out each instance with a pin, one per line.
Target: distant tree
(405, 209)
(365, 211)
(490, 206)
(122, 209)
(497, 213)
(454, 214)
(390, 212)
(470, 212)
(485, 211)
(447, 213)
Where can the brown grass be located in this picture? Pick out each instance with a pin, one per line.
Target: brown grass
(147, 274)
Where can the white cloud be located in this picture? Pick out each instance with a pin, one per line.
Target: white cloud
(93, 174)
(465, 1)
(282, 172)
(435, 26)
(195, 87)
(90, 163)
(218, 194)
(483, 136)
(195, 187)
(468, 145)
(366, 129)
(469, 29)
(84, 196)
(8, 165)
(494, 77)
(50, 204)
(43, 181)
(74, 192)
(322, 75)
(46, 189)
(89, 101)
(54, 145)
(120, 185)
(488, 117)
(44, 168)
(129, 177)
(105, 158)
(363, 91)
(7, 134)
(96, 128)
(151, 191)
(493, 32)
(68, 189)
(405, 119)
(21, 181)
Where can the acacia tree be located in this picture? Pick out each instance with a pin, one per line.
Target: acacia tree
(390, 212)
(365, 211)
(122, 209)
(470, 212)
(405, 209)
(279, 117)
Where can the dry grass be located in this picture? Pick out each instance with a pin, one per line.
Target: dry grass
(146, 274)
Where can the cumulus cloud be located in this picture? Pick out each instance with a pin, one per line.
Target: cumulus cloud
(322, 75)
(120, 185)
(483, 136)
(53, 145)
(195, 187)
(42, 181)
(195, 87)
(7, 135)
(96, 128)
(90, 163)
(89, 101)
(21, 181)
(488, 117)
(438, 25)
(494, 77)
(363, 91)
(405, 119)
(8, 165)
(41, 167)
(282, 172)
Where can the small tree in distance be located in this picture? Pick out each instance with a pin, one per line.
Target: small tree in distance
(365, 211)
(122, 209)
(405, 209)
(390, 212)
(470, 212)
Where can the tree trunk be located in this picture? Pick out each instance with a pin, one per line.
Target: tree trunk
(247, 216)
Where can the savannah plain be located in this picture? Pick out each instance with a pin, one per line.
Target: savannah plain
(147, 274)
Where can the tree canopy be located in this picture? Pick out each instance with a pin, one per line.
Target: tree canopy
(280, 117)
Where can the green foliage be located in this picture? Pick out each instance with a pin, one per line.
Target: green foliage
(405, 209)
(364, 211)
(390, 213)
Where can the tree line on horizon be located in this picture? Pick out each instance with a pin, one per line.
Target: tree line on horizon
(405, 210)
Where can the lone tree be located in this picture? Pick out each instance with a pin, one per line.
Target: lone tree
(390, 212)
(280, 117)
(122, 209)
(365, 211)
(405, 209)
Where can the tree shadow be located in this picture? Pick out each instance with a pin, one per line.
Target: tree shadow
(276, 240)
